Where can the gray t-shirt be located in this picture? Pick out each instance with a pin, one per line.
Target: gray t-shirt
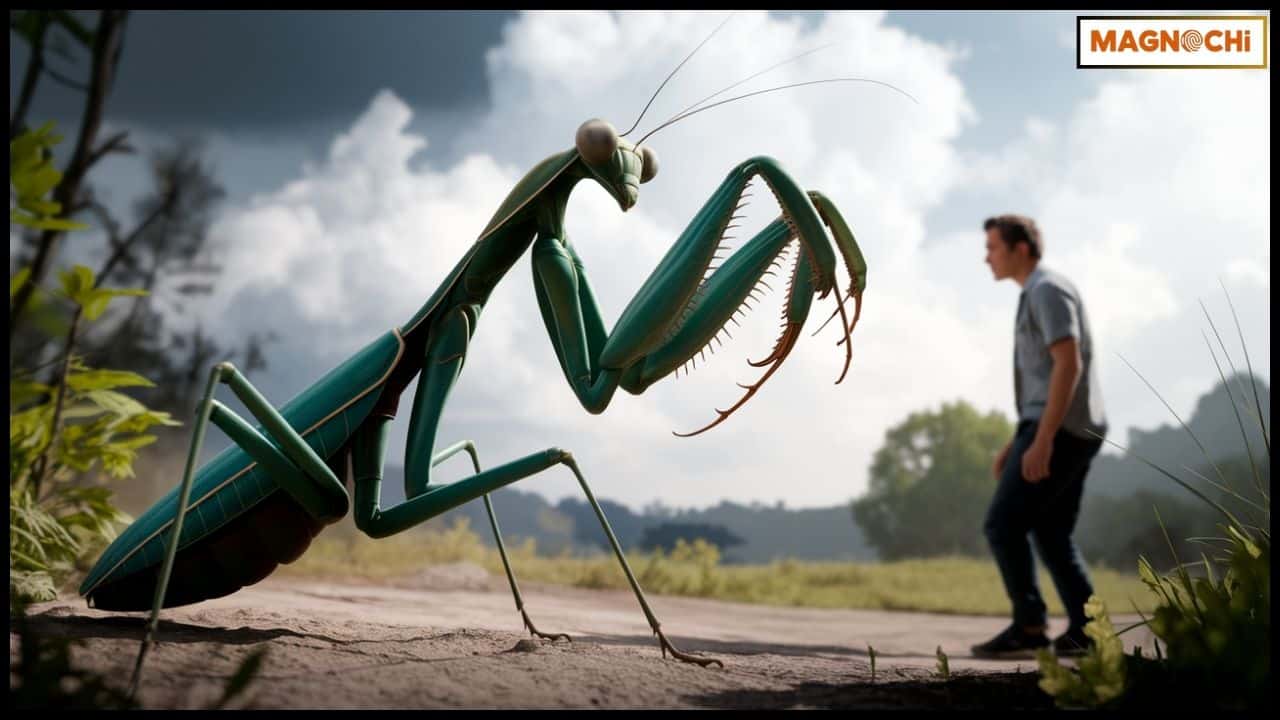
(1050, 309)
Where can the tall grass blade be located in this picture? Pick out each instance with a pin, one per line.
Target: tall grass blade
(1266, 439)
(1195, 439)
(1216, 505)
(1257, 479)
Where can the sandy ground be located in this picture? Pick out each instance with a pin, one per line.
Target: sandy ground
(451, 638)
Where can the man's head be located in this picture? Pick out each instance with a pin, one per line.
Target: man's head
(1013, 245)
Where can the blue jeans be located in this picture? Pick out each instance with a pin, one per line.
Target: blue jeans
(1046, 510)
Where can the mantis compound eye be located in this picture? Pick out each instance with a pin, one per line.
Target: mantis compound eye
(650, 164)
(596, 141)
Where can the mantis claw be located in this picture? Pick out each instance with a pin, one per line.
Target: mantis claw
(538, 633)
(664, 644)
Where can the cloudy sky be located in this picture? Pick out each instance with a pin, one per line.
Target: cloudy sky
(363, 154)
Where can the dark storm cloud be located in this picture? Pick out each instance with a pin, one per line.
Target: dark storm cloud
(276, 71)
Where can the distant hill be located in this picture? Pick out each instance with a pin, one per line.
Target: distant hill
(1170, 447)
(768, 532)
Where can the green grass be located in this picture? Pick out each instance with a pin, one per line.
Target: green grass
(957, 585)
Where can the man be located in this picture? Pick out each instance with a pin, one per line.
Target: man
(1040, 472)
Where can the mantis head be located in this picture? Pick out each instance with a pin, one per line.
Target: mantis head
(618, 165)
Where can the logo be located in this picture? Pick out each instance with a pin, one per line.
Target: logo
(1172, 41)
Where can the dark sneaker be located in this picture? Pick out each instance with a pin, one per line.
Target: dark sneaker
(1072, 643)
(1012, 643)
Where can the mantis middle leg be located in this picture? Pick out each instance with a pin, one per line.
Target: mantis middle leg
(445, 355)
(470, 448)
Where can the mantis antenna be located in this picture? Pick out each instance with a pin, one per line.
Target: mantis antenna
(673, 73)
(686, 114)
(752, 77)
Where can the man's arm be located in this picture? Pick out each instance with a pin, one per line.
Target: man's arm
(1062, 386)
(1061, 326)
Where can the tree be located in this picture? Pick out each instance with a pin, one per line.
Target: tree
(105, 43)
(666, 535)
(931, 483)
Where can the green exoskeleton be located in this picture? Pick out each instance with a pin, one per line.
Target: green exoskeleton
(260, 502)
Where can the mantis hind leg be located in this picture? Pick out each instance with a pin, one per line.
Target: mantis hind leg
(293, 464)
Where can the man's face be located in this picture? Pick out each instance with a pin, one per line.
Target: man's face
(1002, 260)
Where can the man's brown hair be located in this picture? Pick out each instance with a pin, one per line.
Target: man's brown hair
(1015, 229)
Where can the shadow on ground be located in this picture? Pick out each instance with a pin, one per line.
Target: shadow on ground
(1017, 691)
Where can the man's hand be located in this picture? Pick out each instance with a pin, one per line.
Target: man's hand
(1035, 461)
(1062, 384)
(997, 468)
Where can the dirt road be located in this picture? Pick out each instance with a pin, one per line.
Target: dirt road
(451, 638)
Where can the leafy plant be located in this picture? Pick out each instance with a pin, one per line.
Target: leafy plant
(71, 425)
(1217, 630)
(58, 432)
(32, 176)
(1100, 678)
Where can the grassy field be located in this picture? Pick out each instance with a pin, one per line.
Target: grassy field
(943, 585)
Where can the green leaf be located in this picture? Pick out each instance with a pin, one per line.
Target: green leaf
(142, 421)
(133, 292)
(96, 300)
(105, 380)
(57, 224)
(31, 586)
(32, 541)
(244, 675)
(95, 305)
(114, 402)
(22, 218)
(18, 280)
(1146, 573)
(1244, 541)
(1208, 569)
(22, 392)
(80, 411)
(76, 282)
(134, 442)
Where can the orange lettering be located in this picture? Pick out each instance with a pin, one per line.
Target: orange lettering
(1105, 43)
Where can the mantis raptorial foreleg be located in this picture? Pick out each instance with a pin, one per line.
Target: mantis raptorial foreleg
(679, 310)
(293, 464)
(672, 286)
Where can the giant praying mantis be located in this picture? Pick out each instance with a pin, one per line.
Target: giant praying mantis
(260, 502)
